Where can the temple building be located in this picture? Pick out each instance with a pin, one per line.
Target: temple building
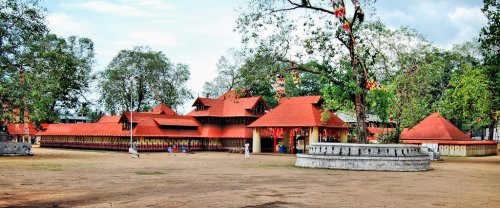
(295, 123)
(436, 129)
(223, 120)
(214, 124)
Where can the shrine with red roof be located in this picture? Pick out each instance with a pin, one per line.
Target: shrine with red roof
(436, 129)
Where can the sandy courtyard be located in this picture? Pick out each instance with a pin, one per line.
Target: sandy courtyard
(79, 178)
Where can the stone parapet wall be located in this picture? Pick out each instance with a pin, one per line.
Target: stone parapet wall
(371, 150)
(15, 148)
(385, 157)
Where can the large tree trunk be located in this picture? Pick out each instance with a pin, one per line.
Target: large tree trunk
(359, 98)
(491, 129)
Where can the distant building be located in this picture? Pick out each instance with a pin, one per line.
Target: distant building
(74, 119)
(214, 124)
(436, 129)
(371, 120)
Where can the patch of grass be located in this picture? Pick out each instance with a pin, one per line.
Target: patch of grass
(46, 166)
(271, 165)
(36, 165)
(56, 166)
(149, 173)
(97, 151)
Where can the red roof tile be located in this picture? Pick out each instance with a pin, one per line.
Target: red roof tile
(109, 119)
(18, 129)
(450, 142)
(84, 129)
(178, 121)
(298, 112)
(434, 127)
(302, 100)
(227, 107)
(163, 109)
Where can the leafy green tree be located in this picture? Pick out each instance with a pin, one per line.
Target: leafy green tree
(346, 58)
(155, 80)
(468, 99)
(59, 75)
(40, 72)
(490, 47)
(228, 74)
(21, 24)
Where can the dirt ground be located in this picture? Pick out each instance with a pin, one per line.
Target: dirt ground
(84, 178)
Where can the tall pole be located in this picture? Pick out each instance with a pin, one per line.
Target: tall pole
(131, 109)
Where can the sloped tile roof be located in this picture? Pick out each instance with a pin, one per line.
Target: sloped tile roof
(450, 142)
(298, 112)
(109, 119)
(434, 127)
(18, 129)
(176, 121)
(84, 129)
(231, 107)
(163, 109)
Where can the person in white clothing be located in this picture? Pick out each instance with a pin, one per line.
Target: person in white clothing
(247, 150)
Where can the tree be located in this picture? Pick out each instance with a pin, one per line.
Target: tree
(40, 72)
(59, 75)
(22, 23)
(228, 74)
(156, 80)
(490, 48)
(468, 99)
(347, 54)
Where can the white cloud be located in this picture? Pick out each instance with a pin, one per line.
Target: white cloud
(468, 21)
(152, 38)
(66, 25)
(106, 7)
(156, 4)
(467, 16)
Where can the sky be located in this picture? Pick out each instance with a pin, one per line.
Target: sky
(199, 32)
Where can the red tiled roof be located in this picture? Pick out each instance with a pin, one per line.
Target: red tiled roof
(84, 129)
(109, 119)
(301, 100)
(146, 125)
(227, 107)
(298, 112)
(18, 129)
(373, 132)
(434, 127)
(178, 121)
(163, 109)
(452, 142)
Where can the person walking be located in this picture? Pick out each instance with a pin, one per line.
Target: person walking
(247, 150)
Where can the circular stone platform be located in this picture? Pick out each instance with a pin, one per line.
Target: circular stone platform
(385, 157)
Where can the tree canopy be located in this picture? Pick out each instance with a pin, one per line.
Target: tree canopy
(155, 80)
(40, 72)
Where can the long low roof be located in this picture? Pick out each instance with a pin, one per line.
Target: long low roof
(161, 122)
(451, 142)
